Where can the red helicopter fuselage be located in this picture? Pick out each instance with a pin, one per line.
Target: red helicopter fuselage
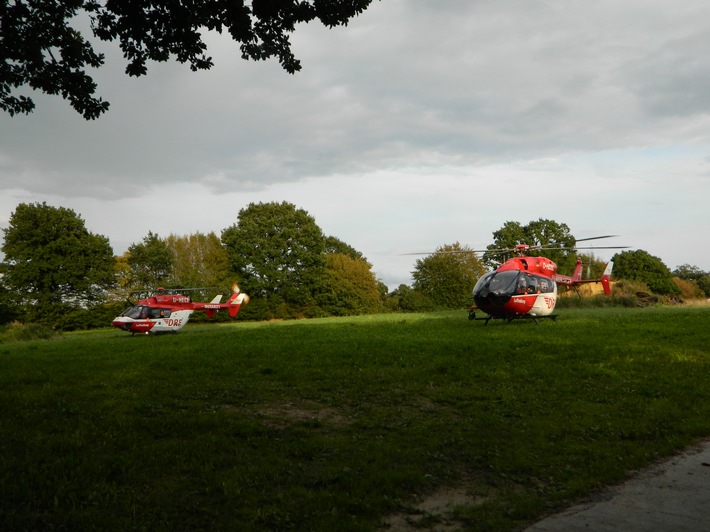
(525, 287)
(165, 312)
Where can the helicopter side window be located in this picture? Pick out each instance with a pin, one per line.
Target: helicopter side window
(546, 286)
(533, 285)
(522, 286)
(527, 284)
(158, 313)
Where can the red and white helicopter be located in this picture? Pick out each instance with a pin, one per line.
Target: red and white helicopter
(169, 311)
(526, 286)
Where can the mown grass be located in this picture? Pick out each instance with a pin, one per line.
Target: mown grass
(337, 423)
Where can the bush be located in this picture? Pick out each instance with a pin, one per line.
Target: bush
(597, 301)
(18, 332)
(95, 317)
(688, 289)
(639, 265)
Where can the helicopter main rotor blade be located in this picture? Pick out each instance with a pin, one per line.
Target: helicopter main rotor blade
(567, 248)
(594, 238)
(529, 248)
(450, 252)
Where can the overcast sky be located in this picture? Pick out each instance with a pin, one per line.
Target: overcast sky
(419, 124)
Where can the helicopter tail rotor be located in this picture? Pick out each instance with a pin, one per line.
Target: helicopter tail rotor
(236, 300)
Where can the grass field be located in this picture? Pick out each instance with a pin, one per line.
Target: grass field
(347, 424)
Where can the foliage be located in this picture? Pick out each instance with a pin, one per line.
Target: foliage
(406, 298)
(8, 308)
(688, 289)
(42, 45)
(704, 284)
(593, 266)
(539, 232)
(448, 276)
(123, 274)
(41, 50)
(334, 245)
(641, 266)
(348, 287)
(95, 317)
(150, 261)
(619, 299)
(695, 275)
(198, 260)
(688, 272)
(277, 252)
(52, 262)
(19, 332)
(337, 424)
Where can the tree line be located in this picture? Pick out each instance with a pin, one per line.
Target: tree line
(58, 273)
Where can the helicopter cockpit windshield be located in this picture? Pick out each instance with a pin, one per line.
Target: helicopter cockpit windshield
(498, 287)
(135, 312)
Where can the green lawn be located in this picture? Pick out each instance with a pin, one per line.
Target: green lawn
(339, 423)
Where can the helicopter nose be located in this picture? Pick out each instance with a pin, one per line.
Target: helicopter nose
(121, 324)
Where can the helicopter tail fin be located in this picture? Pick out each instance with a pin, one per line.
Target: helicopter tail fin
(577, 275)
(235, 301)
(606, 277)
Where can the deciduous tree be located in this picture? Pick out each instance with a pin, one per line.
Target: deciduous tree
(276, 250)
(52, 262)
(198, 260)
(348, 286)
(688, 272)
(448, 276)
(150, 261)
(539, 232)
(42, 45)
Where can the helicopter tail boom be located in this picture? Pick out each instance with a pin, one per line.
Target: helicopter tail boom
(576, 278)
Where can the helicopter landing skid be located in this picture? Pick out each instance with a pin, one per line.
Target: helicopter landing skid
(511, 317)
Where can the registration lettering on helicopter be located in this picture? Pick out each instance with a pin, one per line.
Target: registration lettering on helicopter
(181, 299)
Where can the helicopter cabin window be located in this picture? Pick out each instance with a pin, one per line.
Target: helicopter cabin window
(142, 312)
(546, 286)
(531, 284)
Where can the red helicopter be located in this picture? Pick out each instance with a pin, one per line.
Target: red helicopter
(526, 286)
(169, 311)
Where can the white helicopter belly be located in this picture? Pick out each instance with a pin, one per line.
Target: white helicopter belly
(174, 323)
(544, 304)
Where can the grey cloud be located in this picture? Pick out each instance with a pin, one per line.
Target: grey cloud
(408, 83)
